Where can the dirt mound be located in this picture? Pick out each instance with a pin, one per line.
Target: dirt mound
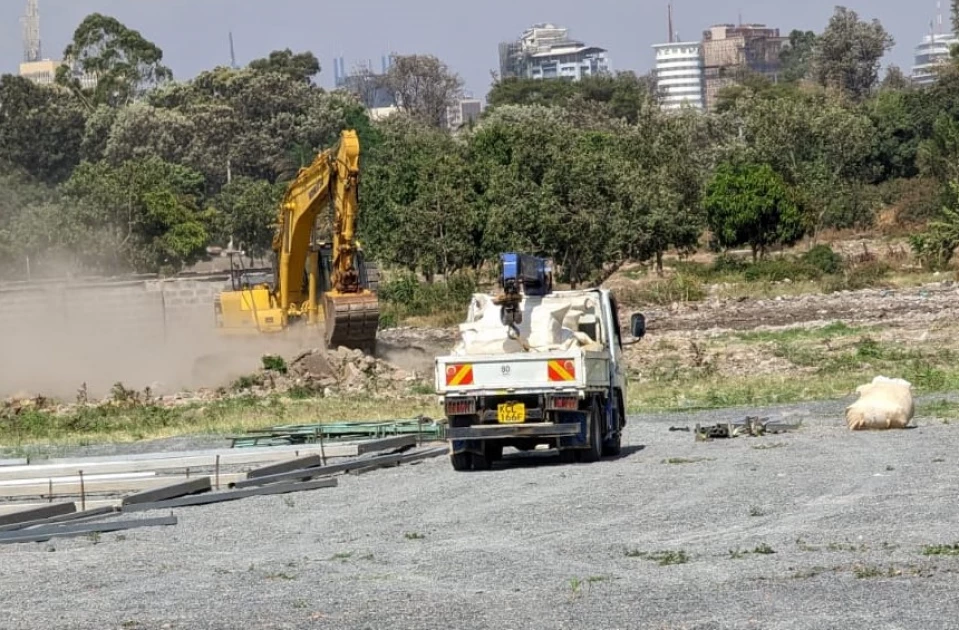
(347, 371)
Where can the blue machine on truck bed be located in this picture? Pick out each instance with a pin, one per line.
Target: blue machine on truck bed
(569, 396)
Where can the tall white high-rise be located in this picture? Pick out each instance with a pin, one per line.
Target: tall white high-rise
(679, 74)
(930, 55)
(933, 51)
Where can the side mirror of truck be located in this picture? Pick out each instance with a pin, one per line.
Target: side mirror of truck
(637, 325)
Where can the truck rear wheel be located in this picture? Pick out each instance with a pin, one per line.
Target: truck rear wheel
(613, 447)
(492, 451)
(595, 450)
(462, 461)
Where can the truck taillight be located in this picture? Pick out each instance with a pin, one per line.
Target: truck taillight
(461, 407)
(565, 403)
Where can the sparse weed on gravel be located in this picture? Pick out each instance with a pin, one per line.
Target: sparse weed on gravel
(805, 574)
(686, 460)
(576, 584)
(766, 447)
(762, 549)
(940, 409)
(280, 576)
(865, 572)
(662, 558)
(941, 550)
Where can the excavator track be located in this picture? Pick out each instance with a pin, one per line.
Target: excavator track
(352, 320)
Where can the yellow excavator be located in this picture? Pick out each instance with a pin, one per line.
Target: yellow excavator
(305, 268)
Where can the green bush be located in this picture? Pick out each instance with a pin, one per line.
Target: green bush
(405, 296)
(274, 363)
(823, 258)
(725, 263)
(779, 269)
(864, 276)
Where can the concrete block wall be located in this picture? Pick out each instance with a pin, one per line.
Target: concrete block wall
(115, 308)
(54, 336)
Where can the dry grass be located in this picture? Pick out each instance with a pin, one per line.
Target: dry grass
(792, 365)
(225, 417)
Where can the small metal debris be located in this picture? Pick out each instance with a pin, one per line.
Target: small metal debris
(753, 426)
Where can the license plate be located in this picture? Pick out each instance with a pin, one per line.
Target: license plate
(511, 413)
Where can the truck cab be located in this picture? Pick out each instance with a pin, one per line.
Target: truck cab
(558, 379)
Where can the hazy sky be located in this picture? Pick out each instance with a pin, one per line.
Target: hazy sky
(194, 33)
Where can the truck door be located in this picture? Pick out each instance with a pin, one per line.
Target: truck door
(618, 376)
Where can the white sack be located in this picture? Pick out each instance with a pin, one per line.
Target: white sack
(886, 403)
(546, 326)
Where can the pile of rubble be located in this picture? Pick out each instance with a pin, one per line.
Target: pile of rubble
(348, 371)
(319, 372)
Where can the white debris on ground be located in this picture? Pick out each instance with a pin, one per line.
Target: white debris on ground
(884, 404)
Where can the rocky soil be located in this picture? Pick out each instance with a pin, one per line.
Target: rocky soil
(914, 308)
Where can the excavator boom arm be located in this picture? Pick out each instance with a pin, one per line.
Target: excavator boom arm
(345, 277)
(301, 204)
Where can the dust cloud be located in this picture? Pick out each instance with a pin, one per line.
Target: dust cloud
(53, 341)
(42, 351)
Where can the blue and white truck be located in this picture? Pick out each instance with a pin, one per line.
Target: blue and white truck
(536, 367)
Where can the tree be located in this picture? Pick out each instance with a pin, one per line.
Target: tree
(418, 209)
(848, 53)
(546, 187)
(142, 215)
(797, 56)
(140, 131)
(936, 246)
(895, 80)
(299, 67)
(123, 63)
(262, 125)
(19, 196)
(750, 204)
(41, 129)
(523, 91)
(624, 94)
(898, 133)
(818, 144)
(667, 158)
(423, 86)
(249, 209)
(938, 156)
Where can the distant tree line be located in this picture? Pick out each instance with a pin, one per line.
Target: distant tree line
(143, 172)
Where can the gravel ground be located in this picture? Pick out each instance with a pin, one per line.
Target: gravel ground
(533, 544)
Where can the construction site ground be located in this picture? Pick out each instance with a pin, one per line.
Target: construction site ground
(819, 527)
(812, 529)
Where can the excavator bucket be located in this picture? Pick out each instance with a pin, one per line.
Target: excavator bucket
(352, 320)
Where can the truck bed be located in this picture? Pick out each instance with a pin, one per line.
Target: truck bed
(529, 372)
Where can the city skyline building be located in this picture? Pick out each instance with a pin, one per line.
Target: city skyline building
(730, 50)
(546, 51)
(679, 74)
